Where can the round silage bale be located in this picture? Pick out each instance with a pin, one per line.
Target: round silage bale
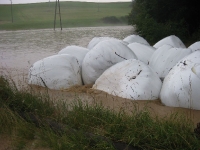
(56, 72)
(181, 86)
(104, 55)
(131, 79)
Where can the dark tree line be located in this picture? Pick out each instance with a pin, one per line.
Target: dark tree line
(156, 19)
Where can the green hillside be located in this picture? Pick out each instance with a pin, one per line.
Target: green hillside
(73, 14)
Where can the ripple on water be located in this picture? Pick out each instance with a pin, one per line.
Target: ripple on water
(20, 49)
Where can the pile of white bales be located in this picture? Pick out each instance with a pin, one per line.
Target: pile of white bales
(129, 68)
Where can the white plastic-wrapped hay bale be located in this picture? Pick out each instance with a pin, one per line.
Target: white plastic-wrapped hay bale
(96, 40)
(165, 58)
(181, 86)
(76, 51)
(135, 38)
(104, 55)
(56, 72)
(170, 40)
(142, 51)
(130, 79)
(195, 46)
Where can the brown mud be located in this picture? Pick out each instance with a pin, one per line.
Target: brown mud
(91, 97)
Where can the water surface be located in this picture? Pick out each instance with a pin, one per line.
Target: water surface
(20, 49)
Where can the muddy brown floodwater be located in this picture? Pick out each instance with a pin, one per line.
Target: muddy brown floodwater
(20, 49)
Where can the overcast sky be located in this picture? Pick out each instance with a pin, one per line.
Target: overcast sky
(38, 1)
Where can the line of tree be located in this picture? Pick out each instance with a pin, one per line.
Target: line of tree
(156, 19)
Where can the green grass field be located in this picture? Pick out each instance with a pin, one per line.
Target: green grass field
(73, 14)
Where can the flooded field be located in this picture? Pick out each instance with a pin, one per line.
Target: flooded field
(20, 49)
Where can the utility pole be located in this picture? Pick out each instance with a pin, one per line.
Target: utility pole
(11, 10)
(57, 5)
(49, 3)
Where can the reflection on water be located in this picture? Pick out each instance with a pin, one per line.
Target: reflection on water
(20, 49)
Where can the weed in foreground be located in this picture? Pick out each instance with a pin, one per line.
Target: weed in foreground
(26, 118)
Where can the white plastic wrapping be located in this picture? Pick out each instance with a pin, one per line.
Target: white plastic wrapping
(130, 79)
(142, 51)
(96, 40)
(104, 55)
(135, 38)
(172, 40)
(56, 72)
(181, 87)
(76, 51)
(165, 58)
(195, 46)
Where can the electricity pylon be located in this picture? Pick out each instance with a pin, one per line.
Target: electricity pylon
(57, 5)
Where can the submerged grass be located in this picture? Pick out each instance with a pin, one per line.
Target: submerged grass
(27, 118)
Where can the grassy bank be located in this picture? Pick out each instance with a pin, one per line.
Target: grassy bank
(33, 122)
(74, 14)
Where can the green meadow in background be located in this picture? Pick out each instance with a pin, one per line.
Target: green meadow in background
(73, 14)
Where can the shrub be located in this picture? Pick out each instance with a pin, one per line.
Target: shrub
(156, 19)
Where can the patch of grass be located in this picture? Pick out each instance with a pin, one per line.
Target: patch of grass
(35, 119)
(74, 14)
(113, 20)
